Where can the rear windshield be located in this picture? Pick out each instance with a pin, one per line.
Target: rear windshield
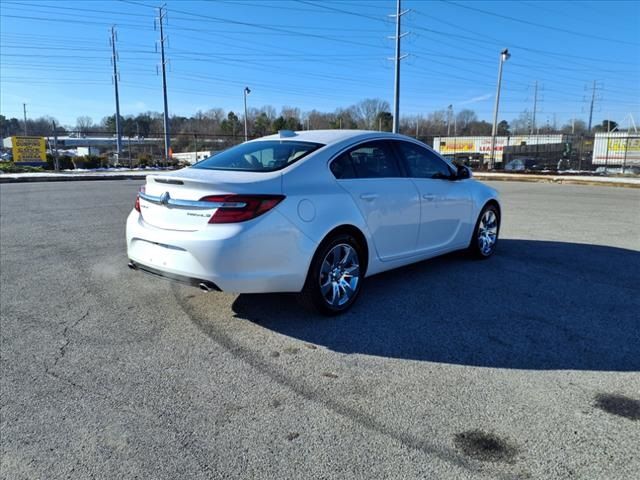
(263, 156)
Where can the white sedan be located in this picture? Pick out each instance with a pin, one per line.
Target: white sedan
(313, 212)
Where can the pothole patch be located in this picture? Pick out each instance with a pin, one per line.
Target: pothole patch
(618, 405)
(484, 446)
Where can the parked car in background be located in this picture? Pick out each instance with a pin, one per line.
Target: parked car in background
(313, 212)
(523, 165)
(628, 170)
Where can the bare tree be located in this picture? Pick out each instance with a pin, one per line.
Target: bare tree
(367, 111)
(576, 126)
(84, 124)
(464, 119)
(522, 124)
(290, 112)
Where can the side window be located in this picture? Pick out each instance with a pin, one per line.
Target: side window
(342, 168)
(369, 160)
(374, 160)
(423, 163)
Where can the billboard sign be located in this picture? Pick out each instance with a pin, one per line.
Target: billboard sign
(482, 145)
(29, 149)
(616, 148)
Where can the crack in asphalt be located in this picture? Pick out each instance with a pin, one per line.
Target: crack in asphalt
(63, 349)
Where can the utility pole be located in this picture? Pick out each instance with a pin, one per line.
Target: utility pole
(397, 58)
(56, 161)
(449, 115)
(504, 56)
(162, 13)
(114, 60)
(535, 108)
(593, 98)
(24, 109)
(195, 140)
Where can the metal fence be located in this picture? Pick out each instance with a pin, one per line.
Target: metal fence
(551, 152)
(87, 150)
(602, 151)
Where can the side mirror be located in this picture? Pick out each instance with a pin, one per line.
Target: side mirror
(463, 172)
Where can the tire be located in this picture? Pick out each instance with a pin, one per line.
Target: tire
(335, 276)
(485, 234)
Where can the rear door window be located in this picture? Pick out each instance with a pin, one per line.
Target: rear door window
(368, 160)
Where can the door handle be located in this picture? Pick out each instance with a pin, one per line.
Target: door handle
(429, 196)
(369, 197)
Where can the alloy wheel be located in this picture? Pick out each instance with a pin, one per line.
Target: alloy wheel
(339, 275)
(487, 232)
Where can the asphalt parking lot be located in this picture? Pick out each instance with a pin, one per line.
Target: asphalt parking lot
(523, 366)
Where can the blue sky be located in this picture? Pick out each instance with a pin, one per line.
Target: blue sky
(321, 54)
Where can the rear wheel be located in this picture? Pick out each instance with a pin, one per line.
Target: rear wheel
(335, 276)
(485, 235)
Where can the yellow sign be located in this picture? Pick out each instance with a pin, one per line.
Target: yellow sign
(29, 149)
(451, 146)
(624, 144)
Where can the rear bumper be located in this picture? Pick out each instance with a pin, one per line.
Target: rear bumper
(267, 254)
(194, 282)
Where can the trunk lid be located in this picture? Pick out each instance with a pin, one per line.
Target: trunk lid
(170, 201)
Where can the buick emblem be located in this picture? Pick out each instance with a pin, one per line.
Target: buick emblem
(164, 198)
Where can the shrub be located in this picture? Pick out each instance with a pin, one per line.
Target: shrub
(10, 167)
(65, 162)
(88, 161)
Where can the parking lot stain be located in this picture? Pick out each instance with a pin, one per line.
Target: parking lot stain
(292, 436)
(275, 403)
(484, 446)
(329, 375)
(291, 350)
(311, 346)
(618, 405)
(275, 354)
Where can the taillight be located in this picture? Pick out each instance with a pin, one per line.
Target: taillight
(137, 204)
(240, 208)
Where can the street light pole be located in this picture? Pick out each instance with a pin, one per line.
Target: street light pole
(504, 56)
(247, 91)
(24, 109)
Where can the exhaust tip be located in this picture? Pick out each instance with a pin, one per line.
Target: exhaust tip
(132, 266)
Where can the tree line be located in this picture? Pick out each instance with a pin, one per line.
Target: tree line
(368, 114)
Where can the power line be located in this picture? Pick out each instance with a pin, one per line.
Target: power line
(540, 25)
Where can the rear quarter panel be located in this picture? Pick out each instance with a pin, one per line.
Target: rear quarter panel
(315, 202)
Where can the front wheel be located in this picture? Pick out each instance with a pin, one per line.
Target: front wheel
(485, 235)
(335, 276)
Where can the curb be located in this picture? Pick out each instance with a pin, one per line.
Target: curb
(478, 176)
(69, 178)
(557, 180)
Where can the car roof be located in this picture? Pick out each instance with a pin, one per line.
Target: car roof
(328, 137)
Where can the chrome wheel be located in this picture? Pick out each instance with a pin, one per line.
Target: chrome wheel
(487, 232)
(339, 275)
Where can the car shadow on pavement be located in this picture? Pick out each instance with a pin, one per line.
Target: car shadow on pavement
(534, 305)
